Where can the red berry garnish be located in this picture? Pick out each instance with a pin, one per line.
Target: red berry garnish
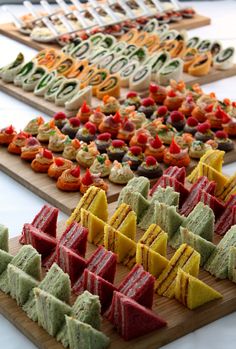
(150, 161)
(104, 136)
(226, 119)
(176, 116)
(192, 122)
(156, 142)
(136, 150)
(117, 143)
(32, 141)
(9, 130)
(174, 147)
(162, 111)
(117, 117)
(142, 138)
(59, 161)
(76, 143)
(47, 153)
(209, 108)
(146, 102)
(85, 108)
(74, 122)
(75, 172)
(171, 93)
(153, 88)
(87, 178)
(221, 134)
(129, 126)
(220, 113)
(23, 135)
(204, 127)
(92, 128)
(59, 116)
(131, 94)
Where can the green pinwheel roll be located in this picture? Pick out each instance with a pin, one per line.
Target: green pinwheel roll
(25, 71)
(118, 64)
(172, 70)
(224, 59)
(52, 91)
(32, 80)
(127, 72)
(45, 83)
(67, 91)
(9, 72)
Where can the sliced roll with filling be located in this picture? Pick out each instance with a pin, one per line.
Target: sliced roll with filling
(65, 66)
(45, 83)
(157, 61)
(54, 88)
(141, 79)
(140, 54)
(107, 60)
(111, 87)
(84, 95)
(9, 72)
(82, 50)
(77, 69)
(33, 79)
(225, 59)
(25, 71)
(201, 65)
(98, 56)
(97, 79)
(127, 72)
(67, 91)
(172, 70)
(118, 64)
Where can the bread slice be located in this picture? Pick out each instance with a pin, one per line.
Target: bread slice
(50, 311)
(156, 239)
(95, 201)
(20, 283)
(232, 264)
(124, 220)
(57, 283)
(4, 237)
(186, 258)
(87, 309)
(203, 247)
(137, 202)
(151, 261)
(166, 195)
(121, 245)
(137, 184)
(94, 225)
(218, 263)
(5, 259)
(82, 335)
(28, 260)
(192, 292)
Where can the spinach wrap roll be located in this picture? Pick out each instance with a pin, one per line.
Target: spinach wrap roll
(45, 83)
(9, 72)
(25, 71)
(67, 90)
(32, 80)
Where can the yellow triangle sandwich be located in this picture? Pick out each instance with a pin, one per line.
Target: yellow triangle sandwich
(192, 292)
(94, 225)
(156, 239)
(151, 261)
(95, 201)
(124, 219)
(186, 258)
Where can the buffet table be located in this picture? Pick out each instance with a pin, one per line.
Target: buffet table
(18, 205)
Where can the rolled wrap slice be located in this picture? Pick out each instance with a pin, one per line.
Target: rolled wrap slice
(141, 79)
(129, 49)
(32, 80)
(86, 75)
(67, 91)
(127, 72)
(108, 41)
(169, 35)
(52, 91)
(204, 46)
(151, 26)
(45, 83)
(140, 38)
(84, 95)
(97, 56)
(67, 49)
(40, 55)
(225, 59)
(96, 39)
(65, 66)
(77, 69)
(50, 58)
(118, 64)
(130, 36)
(193, 42)
(97, 79)
(82, 50)
(172, 70)
(140, 54)
(175, 48)
(25, 71)
(111, 87)
(107, 60)
(157, 61)
(151, 41)
(188, 57)
(9, 72)
(119, 47)
(201, 65)
(216, 47)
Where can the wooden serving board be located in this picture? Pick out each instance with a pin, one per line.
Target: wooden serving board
(181, 321)
(9, 30)
(44, 186)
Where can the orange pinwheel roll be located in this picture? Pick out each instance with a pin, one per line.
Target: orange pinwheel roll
(65, 66)
(97, 79)
(189, 56)
(111, 87)
(130, 36)
(201, 65)
(77, 69)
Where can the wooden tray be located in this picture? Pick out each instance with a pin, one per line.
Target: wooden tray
(180, 320)
(9, 30)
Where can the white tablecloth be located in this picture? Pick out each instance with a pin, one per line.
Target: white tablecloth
(18, 205)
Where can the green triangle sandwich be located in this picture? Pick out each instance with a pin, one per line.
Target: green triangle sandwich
(5, 259)
(218, 263)
(137, 202)
(50, 311)
(28, 260)
(203, 247)
(87, 309)
(166, 195)
(84, 336)
(232, 264)
(57, 283)
(4, 236)
(137, 184)
(21, 284)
